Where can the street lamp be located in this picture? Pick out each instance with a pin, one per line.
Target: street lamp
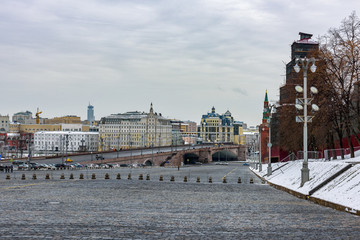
(301, 104)
(269, 168)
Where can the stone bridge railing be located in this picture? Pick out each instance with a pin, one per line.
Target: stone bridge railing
(176, 158)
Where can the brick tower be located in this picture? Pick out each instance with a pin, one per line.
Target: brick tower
(264, 132)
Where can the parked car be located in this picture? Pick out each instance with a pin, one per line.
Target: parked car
(23, 167)
(110, 165)
(51, 166)
(60, 165)
(34, 166)
(221, 163)
(68, 160)
(99, 157)
(17, 162)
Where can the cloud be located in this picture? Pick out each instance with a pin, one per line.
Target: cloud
(121, 55)
(240, 91)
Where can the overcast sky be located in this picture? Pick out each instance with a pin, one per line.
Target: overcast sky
(184, 56)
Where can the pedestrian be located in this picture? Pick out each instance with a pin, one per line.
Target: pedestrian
(11, 168)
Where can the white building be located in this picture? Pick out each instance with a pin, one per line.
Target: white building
(68, 141)
(134, 130)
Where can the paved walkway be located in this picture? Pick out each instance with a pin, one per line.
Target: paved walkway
(134, 209)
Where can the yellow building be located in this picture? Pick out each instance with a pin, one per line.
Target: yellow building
(239, 137)
(66, 119)
(33, 128)
(216, 128)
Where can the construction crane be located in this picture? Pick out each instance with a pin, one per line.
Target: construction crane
(38, 116)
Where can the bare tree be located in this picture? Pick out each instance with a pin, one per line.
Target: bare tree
(340, 53)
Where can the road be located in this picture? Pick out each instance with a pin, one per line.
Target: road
(152, 209)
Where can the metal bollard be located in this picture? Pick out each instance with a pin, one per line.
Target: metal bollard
(129, 176)
(251, 180)
(161, 178)
(8, 177)
(172, 179)
(148, 177)
(224, 180)
(107, 176)
(62, 176)
(118, 176)
(210, 179)
(198, 179)
(81, 176)
(141, 177)
(71, 176)
(239, 180)
(34, 176)
(23, 177)
(93, 176)
(47, 176)
(185, 179)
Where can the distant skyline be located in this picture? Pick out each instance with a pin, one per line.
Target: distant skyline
(184, 56)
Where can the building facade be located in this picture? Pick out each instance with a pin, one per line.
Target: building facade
(239, 137)
(134, 130)
(58, 141)
(90, 115)
(4, 124)
(70, 119)
(22, 117)
(216, 128)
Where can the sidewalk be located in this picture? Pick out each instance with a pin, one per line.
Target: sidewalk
(334, 184)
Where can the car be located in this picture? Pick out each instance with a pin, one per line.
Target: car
(68, 160)
(17, 162)
(60, 165)
(78, 165)
(99, 157)
(34, 166)
(124, 165)
(221, 163)
(110, 165)
(246, 164)
(23, 167)
(51, 166)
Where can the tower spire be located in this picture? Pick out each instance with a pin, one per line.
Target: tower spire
(151, 108)
(266, 108)
(266, 97)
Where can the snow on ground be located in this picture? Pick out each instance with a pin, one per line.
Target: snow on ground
(344, 190)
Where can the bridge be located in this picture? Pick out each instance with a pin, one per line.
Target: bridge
(185, 156)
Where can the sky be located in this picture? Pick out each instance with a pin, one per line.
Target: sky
(184, 56)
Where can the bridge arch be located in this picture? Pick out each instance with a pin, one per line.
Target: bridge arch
(224, 155)
(190, 158)
(148, 163)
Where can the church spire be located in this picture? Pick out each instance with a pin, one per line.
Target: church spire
(151, 108)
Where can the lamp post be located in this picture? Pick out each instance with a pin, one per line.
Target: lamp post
(269, 168)
(302, 104)
(260, 162)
